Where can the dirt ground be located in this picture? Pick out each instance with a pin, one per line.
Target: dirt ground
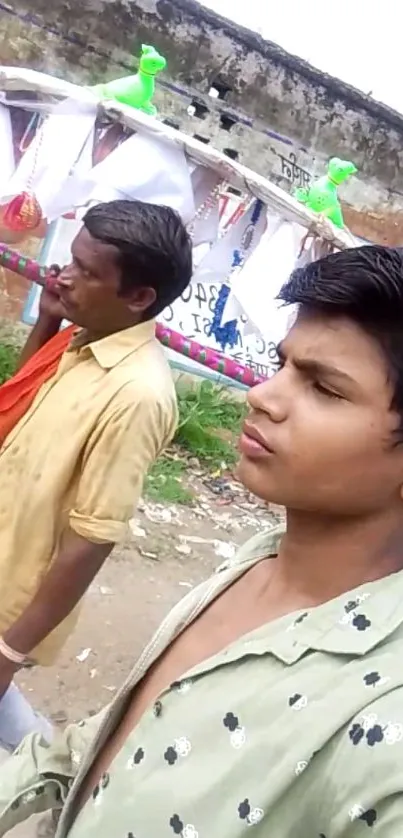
(172, 549)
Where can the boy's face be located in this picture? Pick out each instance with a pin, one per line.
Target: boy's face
(326, 426)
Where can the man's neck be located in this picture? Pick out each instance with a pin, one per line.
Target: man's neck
(320, 559)
(93, 335)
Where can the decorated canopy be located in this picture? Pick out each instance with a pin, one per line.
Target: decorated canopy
(63, 151)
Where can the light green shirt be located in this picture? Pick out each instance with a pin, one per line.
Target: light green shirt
(293, 731)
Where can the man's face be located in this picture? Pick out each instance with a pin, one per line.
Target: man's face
(325, 423)
(90, 288)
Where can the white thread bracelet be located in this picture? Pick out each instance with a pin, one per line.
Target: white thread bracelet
(11, 655)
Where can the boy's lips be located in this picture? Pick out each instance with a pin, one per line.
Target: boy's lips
(253, 443)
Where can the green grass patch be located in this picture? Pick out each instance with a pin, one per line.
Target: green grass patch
(8, 360)
(164, 484)
(205, 413)
(209, 425)
(209, 404)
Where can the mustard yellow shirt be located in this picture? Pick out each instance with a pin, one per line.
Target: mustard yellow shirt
(78, 459)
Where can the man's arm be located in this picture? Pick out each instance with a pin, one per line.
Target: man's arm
(45, 328)
(129, 437)
(38, 776)
(47, 325)
(77, 563)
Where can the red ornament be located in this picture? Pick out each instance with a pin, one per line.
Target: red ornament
(22, 213)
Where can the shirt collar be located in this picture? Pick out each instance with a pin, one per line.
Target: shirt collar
(351, 624)
(114, 348)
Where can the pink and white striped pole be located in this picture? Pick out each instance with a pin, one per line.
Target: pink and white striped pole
(216, 361)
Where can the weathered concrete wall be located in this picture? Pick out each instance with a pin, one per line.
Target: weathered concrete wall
(275, 113)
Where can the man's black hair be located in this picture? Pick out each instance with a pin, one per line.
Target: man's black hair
(154, 247)
(365, 285)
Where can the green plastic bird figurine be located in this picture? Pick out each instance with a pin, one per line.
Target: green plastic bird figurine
(137, 90)
(322, 195)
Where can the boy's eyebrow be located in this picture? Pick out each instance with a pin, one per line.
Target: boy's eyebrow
(314, 367)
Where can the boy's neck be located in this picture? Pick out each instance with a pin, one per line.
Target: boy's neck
(321, 558)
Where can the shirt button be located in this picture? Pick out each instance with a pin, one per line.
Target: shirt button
(224, 566)
(157, 709)
(104, 781)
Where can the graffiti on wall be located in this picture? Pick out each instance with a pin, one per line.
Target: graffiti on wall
(293, 172)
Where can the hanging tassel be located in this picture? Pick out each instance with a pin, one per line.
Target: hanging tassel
(22, 213)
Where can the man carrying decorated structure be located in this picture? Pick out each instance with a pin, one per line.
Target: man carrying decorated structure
(79, 429)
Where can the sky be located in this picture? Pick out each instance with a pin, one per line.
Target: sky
(358, 41)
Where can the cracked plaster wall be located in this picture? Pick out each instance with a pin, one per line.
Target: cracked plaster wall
(271, 106)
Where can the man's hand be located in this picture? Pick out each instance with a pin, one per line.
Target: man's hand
(49, 321)
(7, 672)
(50, 307)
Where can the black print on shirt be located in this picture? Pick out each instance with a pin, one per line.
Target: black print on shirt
(361, 622)
(356, 733)
(231, 722)
(244, 809)
(369, 817)
(372, 679)
(351, 605)
(250, 814)
(170, 755)
(374, 735)
(176, 824)
(103, 784)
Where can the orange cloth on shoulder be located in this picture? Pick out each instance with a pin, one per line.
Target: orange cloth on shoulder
(18, 393)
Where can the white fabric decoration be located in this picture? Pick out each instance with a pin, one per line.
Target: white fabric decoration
(216, 265)
(6, 148)
(75, 188)
(145, 169)
(47, 163)
(256, 286)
